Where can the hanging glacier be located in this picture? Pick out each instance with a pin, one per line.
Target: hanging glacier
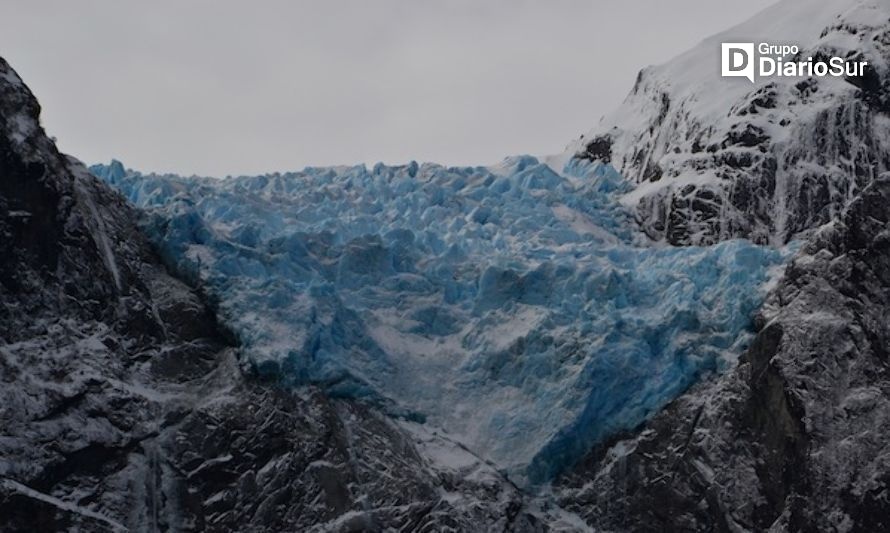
(516, 308)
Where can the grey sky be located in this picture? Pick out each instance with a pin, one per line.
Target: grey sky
(230, 87)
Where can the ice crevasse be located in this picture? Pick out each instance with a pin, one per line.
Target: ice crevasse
(516, 308)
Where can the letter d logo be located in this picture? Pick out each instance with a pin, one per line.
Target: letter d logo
(738, 60)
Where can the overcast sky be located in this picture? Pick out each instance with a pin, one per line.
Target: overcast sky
(219, 87)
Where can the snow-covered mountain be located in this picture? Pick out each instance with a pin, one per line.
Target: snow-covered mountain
(793, 439)
(395, 348)
(716, 158)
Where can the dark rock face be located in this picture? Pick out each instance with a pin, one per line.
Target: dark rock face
(794, 438)
(123, 405)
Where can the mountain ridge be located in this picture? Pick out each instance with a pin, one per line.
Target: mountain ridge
(717, 158)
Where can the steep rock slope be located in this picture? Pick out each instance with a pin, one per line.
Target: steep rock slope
(792, 439)
(123, 407)
(717, 158)
(795, 438)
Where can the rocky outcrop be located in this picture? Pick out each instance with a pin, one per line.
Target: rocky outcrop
(791, 439)
(123, 405)
(794, 438)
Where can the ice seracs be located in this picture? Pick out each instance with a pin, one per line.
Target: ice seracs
(516, 307)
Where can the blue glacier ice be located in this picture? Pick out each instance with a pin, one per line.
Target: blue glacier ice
(514, 307)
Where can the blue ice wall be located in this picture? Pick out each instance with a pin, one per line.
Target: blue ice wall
(515, 307)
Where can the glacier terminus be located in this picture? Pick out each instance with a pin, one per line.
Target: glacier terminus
(514, 307)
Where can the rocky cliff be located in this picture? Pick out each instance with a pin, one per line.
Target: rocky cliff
(123, 406)
(794, 439)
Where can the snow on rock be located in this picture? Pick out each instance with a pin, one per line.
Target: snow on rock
(719, 158)
(515, 307)
(794, 438)
(122, 407)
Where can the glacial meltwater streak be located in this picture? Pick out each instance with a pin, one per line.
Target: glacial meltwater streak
(515, 307)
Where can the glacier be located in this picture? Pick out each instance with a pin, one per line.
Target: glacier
(515, 308)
